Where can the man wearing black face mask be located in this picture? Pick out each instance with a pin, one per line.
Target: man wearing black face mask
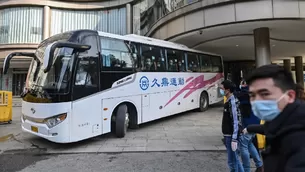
(273, 99)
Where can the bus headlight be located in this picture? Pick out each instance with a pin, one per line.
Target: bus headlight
(55, 120)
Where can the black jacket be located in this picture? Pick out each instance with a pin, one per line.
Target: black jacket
(231, 119)
(245, 106)
(285, 140)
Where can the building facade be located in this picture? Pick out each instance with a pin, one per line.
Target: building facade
(248, 33)
(224, 27)
(25, 23)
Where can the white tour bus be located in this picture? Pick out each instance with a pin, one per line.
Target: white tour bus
(85, 83)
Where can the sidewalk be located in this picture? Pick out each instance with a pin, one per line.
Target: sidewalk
(192, 131)
(17, 101)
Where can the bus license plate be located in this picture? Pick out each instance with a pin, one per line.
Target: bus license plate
(35, 129)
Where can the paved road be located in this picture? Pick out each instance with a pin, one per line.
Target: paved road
(184, 132)
(124, 162)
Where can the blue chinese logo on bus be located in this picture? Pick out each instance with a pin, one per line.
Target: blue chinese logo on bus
(164, 82)
(144, 83)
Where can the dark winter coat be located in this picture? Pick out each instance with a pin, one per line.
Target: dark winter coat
(285, 140)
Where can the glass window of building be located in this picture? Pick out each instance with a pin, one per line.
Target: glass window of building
(11, 20)
(106, 20)
(147, 12)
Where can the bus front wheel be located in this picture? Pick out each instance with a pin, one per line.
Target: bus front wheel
(203, 102)
(121, 121)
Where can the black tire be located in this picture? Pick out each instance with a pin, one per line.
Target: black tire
(203, 102)
(9, 122)
(133, 118)
(113, 127)
(121, 121)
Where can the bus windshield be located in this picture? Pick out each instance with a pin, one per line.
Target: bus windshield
(55, 81)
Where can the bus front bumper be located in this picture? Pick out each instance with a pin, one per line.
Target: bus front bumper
(57, 134)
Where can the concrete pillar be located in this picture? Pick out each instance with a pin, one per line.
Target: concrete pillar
(46, 22)
(299, 76)
(129, 18)
(287, 64)
(262, 46)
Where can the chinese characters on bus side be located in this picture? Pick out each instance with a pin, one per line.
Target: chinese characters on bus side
(163, 82)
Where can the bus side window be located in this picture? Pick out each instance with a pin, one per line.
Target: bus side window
(82, 75)
(205, 63)
(161, 65)
(87, 67)
(86, 78)
(115, 55)
(92, 71)
(193, 62)
(216, 64)
(135, 55)
(152, 58)
(175, 61)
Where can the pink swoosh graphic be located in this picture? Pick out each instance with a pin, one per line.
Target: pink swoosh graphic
(190, 78)
(194, 85)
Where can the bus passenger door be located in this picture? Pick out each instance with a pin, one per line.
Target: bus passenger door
(87, 76)
(86, 105)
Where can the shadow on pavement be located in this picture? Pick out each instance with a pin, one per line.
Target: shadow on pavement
(177, 116)
(42, 144)
(13, 163)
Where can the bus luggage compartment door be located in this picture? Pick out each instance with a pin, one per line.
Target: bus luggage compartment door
(145, 107)
(145, 100)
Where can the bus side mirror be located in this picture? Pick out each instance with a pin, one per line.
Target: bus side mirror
(6, 63)
(9, 57)
(50, 49)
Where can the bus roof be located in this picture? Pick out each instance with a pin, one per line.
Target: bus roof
(151, 41)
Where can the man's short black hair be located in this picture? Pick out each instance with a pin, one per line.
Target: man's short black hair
(281, 77)
(243, 82)
(228, 85)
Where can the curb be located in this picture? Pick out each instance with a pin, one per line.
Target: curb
(16, 105)
(16, 101)
(43, 151)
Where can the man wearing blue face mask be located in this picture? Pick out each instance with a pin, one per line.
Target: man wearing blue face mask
(273, 99)
(231, 125)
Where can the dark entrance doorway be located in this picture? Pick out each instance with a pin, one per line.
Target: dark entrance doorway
(236, 70)
(19, 78)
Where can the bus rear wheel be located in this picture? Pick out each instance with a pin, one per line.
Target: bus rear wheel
(203, 102)
(121, 121)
